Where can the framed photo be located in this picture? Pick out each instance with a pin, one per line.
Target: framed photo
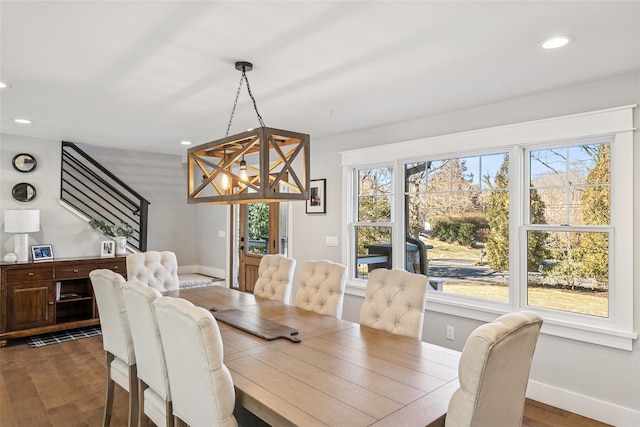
(107, 248)
(317, 203)
(42, 252)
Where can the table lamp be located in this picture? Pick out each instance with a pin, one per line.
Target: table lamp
(22, 222)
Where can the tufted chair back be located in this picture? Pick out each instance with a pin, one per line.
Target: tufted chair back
(116, 340)
(201, 385)
(152, 368)
(155, 269)
(322, 287)
(494, 371)
(275, 274)
(395, 302)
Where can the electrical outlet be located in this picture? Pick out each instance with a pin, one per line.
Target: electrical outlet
(450, 333)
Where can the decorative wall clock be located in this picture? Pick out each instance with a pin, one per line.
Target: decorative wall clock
(24, 163)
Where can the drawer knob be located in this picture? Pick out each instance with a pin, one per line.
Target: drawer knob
(51, 302)
(30, 274)
(75, 270)
(115, 267)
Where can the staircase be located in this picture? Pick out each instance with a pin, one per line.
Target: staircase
(95, 193)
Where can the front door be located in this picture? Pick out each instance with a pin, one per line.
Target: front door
(261, 229)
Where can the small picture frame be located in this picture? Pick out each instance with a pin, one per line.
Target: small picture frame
(317, 203)
(42, 252)
(107, 248)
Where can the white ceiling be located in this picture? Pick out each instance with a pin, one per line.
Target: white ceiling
(145, 75)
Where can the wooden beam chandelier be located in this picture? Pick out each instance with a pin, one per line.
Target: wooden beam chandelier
(259, 165)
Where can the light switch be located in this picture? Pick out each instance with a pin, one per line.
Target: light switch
(331, 240)
(222, 234)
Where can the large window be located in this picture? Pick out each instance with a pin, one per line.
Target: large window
(535, 216)
(458, 208)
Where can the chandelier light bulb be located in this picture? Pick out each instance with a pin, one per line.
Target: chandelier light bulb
(224, 182)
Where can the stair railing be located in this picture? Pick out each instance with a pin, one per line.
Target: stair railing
(96, 193)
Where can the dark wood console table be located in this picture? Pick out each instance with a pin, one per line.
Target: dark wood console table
(48, 296)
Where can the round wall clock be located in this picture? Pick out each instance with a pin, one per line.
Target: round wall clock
(24, 162)
(23, 192)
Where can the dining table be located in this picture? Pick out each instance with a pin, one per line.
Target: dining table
(334, 373)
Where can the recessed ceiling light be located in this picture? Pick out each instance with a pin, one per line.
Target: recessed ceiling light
(185, 142)
(556, 42)
(22, 121)
(2, 85)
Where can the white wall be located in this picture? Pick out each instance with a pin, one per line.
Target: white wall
(596, 381)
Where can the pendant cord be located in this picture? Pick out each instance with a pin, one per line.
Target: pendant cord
(235, 102)
(255, 106)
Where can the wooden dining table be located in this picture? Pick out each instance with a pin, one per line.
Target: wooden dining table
(339, 374)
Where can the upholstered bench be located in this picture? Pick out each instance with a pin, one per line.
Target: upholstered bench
(194, 280)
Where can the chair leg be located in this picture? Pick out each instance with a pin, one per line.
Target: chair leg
(168, 411)
(108, 403)
(142, 419)
(133, 396)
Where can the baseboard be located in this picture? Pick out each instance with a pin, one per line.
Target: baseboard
(584, 405)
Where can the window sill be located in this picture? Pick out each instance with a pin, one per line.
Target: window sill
(469, 309)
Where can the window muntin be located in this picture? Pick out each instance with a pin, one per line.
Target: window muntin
(459, 209)
(373, 215)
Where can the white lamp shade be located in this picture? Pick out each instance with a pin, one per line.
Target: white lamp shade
(21, 220)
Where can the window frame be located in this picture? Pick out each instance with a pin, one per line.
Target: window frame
(353, 216)
(617, 123)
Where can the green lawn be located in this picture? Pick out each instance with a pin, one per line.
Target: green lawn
(450, 250)
(592, 303)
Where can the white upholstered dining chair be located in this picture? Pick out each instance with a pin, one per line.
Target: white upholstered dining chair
(275, 274)
(117, 341)
(155, 269)
(201, 385)
(395, 301)
(494, 371)
(322, 287)
(153, 382)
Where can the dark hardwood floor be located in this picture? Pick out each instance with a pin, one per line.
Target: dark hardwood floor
(63, 385)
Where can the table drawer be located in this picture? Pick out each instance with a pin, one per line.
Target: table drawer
(116, 265)
(80, 271)
(30, 274)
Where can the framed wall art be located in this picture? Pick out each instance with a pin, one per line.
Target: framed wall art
(42, 252)
(317, 203)
(107, 248)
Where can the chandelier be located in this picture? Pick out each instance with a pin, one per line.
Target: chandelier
(259, 165)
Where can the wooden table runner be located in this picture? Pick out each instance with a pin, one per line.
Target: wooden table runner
(263, 328)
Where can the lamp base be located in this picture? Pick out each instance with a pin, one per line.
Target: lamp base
(21, 247)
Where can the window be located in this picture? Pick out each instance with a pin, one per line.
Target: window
(533, 216)
(459, 209)
(372, 227)
(569, 228)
